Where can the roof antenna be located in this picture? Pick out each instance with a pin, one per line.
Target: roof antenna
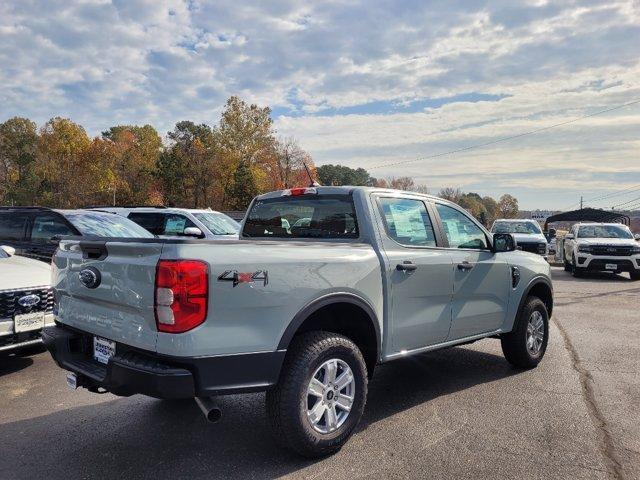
(313, 182)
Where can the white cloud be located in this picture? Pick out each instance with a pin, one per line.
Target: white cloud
(148, 61)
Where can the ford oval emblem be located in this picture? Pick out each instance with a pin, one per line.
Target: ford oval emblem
(90, 277)
(29, 300)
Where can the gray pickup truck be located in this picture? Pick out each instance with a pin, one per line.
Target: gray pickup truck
(323, 284)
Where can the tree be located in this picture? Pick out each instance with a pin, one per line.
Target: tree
(508, 206)
(342, 175)
(242, 189)
(18, 146)
(190, 170)
(491, 207)
(402, 183)
(290, 164)
(66, 179)
(136, 153)
(247, 141)
(451, 194)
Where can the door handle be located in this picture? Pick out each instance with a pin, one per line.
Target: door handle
(406, 266)
(465, 266)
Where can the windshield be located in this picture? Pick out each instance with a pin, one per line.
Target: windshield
(603, 231)
(516, 227)
(106, 225)
(308, 216)
(3, 254)
(218, 223)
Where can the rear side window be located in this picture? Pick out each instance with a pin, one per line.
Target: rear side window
(12, 226)
(106, 225)
(169, 224)
(46, 227)
(408, 222)
(308, 216)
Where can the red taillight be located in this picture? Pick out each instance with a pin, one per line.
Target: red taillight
(182, 288)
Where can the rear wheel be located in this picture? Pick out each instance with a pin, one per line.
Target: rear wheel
(525, 346)
(320, 396)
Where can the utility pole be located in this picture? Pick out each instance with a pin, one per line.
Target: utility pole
(581, 202)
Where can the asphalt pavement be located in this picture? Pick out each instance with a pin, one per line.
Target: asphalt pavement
(458, 413)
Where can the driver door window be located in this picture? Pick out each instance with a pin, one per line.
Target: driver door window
(461, 231)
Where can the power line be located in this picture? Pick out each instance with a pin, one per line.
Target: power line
(512, 137)
(624, 191)
(626, 203)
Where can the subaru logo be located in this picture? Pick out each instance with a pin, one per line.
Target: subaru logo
(90, 277)
(29, 300)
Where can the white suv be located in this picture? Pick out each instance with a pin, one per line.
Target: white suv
(602, 247)
(180, 222)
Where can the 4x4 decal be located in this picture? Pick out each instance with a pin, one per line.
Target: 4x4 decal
(244, 277)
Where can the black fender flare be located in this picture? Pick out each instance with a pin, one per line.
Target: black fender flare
(532, 283)
(325, 300)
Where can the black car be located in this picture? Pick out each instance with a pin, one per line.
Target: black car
(35, 231)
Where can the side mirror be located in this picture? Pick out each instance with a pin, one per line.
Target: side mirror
(504, 242)
(637, 237)
(569, 236)
(193, 232)
(9, 250)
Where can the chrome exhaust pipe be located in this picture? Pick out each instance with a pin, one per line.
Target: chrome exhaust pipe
(210, 409)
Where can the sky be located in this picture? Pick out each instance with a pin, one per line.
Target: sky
(381, 85)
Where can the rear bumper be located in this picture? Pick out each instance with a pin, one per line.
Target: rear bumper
(132, 371)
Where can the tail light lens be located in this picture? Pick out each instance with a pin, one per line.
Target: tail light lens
(182, 288)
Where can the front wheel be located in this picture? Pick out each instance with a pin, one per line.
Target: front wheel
(526, 344)
(321, 394)
(576, 271)
(635, 275)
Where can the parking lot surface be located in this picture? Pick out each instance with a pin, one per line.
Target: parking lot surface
(458, 413)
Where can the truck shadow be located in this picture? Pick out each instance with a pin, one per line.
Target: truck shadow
(10, 363)
(138, 437)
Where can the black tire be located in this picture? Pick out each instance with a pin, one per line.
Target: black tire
(287, 402)
(514, 344)
(635, 275)
(576, 271)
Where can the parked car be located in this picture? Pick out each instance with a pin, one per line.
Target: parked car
(35, 231)
(597, 247)
(526, 232)
(181, 222)
(26, 300)
(305, 313)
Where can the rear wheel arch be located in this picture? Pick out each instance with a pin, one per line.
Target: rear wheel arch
(343, 313)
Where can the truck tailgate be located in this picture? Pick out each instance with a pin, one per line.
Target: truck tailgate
(120, 306)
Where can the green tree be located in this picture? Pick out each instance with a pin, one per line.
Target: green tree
(189, 170)
(242, 189)
(342, 175)
(18, 146)
(247, 141)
